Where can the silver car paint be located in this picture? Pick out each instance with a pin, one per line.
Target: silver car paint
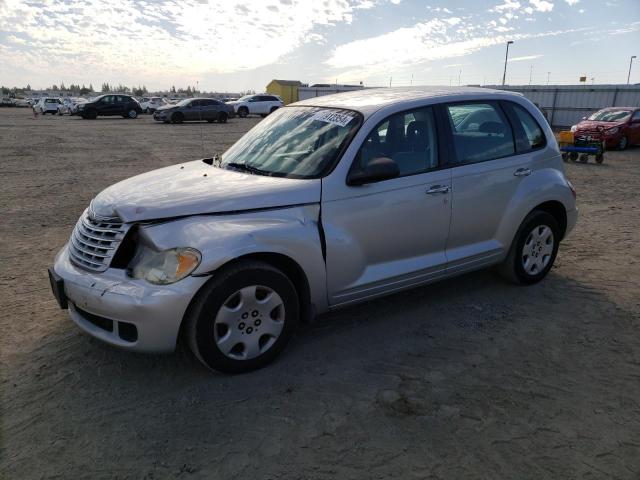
(196, 187)
(379, 238)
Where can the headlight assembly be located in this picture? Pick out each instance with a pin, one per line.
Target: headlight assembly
(574, 128)
(165, 267)
(612, 131)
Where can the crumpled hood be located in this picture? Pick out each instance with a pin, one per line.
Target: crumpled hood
(166, 107)
(594, 124)
(198, 188)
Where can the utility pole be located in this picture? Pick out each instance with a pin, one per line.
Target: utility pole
(530, 74)
(412, 79)
(506, 56)
(459, 75)
(390, 78)
(548, 75)
(630, 63)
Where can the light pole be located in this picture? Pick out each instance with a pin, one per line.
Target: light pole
(506, 56)
(630, 63)
(530, 74)
(548, 75)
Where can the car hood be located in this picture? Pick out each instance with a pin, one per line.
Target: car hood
(166, 107)
(198, 188)
(594, 124)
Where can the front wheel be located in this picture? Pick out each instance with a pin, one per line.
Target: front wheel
(243, 112)
(132, 113)
(222, 117)
(533, 249)
(242, 318)
(177, 117)
(623, 143)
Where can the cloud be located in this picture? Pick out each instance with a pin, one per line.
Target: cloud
(132, 39)
(528, 57)
(572, 2)
(541, 5)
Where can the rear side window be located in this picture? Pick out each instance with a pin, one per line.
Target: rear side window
(533, 136)
(480, 132)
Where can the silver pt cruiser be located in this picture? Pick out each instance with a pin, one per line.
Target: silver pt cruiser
(327, 202)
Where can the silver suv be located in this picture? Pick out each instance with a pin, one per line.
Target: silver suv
(327, 202)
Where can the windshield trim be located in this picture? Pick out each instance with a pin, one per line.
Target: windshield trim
(338, 157)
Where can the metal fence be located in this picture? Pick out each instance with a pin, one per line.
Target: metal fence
(565, 105)
(309, 92)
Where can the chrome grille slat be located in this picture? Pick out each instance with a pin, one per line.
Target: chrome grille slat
(94, 242)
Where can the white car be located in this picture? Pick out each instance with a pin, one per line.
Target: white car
(262, 104)
(151, 104)
(48, 105)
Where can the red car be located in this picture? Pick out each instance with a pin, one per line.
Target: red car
(618, 127)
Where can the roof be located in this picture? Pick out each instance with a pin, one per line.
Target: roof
(295, 83)
(370, 100)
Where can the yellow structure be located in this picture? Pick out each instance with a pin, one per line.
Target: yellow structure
(287, 90)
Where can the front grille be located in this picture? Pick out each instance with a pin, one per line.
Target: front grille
(94, 241)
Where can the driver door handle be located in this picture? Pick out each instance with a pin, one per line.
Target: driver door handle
(438, 189)
(522, 172)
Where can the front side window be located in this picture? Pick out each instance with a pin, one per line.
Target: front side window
(480, 132)
(636, 116)
(407, 138)
(296, 142)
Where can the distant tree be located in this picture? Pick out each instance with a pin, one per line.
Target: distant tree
(173, 89)
(90, 87)
(54, 87)
(105, 88)
(28, 87)
(62, 86)
(84, 90)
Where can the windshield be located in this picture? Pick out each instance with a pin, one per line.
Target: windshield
(295, 142)
(184, 103)
(245, 98)
(611, 115)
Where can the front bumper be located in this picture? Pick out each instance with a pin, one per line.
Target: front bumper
(156, 311)
(160, 116)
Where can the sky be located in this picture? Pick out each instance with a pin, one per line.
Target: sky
(236, 45)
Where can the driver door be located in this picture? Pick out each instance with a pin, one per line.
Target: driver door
(392, 234)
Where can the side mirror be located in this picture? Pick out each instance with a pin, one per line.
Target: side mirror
(378, 169)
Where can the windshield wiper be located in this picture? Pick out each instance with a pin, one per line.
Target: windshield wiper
(243, 167)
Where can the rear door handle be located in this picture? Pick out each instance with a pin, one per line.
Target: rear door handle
(522, 172)
(438, 189)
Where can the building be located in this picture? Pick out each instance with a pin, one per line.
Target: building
(287, 90)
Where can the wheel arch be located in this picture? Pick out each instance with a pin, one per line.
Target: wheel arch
(557, 210)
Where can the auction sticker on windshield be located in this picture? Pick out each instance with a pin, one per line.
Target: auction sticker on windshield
(333, 117)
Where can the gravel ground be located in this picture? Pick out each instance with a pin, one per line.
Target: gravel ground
(468, 378)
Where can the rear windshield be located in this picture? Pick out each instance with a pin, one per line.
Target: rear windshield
(611, 115)
(295, 142)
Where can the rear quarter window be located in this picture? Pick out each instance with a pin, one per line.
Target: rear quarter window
(529, 134)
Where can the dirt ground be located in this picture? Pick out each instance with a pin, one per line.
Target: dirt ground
(470, 378)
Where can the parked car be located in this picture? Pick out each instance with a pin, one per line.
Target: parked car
(7, 102)
(110, 104)
(194, 109)
(48, 105)
(151, 104)
(67, 105)
(262, 105)
(617, 127)
(21, 102)
(75, 108)
(328, 202)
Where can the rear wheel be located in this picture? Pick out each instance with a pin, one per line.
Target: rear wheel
(273, 109)
(573, 156)
(599, 157)
(243, 112)
(243, 318)
(584, 158)
(90, 115)
(533, 249)
(222, 117)
(177, 117)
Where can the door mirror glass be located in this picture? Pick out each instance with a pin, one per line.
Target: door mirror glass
(376, 170)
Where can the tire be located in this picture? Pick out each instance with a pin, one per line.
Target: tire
(132, 114)
(263, 115)
(90, 115)
(599, 157)
(573, 156)
(243, 112)
(531, 256)
(177, 117)
(220, 333)
(222, 117)
(273, 109)
(147, 111)
(565, 157)
(623, 143)
(584, 158)
(209, 121)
